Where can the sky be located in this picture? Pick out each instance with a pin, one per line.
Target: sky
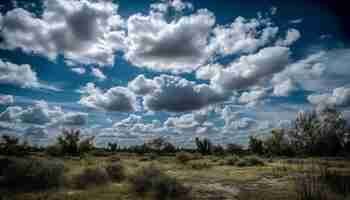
(129, 71)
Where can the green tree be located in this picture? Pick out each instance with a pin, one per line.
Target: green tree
(204, 146)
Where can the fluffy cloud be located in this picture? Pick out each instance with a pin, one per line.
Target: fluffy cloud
(175, 94)
(242, 36)
(119, 99)
(74, 119)
(42, 114)
(320, 71)
(252, 69)
(36, 132)
(195, 122)
(339, 98)
(79, 70)
(252, 97)
(98, 73)
(83, 31)
(141, 85)
(177, 5)
(285, 88)
(159, 45)
(134, 127)
(10, 113)
(296, 21)
(18, 75)
(207, 72)
(292, 36)
(6, 99)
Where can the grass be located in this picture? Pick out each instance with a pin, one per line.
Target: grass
(211, 178)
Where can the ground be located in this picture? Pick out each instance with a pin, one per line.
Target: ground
(214, 180)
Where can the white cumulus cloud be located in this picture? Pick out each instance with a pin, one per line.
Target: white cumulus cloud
(118, 99)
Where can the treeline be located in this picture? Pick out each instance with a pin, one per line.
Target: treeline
(312, 134)
(324, 134)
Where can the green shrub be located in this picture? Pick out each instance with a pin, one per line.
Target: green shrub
(250, 161)
(11, 146)
(116, 171)
(91, 177)
(232, 160)
(200, 165)
(183, 157)
(30, 174)
(151, 180)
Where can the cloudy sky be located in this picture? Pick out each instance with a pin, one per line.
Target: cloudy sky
(129, 71)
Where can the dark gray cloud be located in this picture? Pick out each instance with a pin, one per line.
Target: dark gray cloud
(176, 94)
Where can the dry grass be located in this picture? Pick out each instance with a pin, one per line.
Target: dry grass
(214, 179)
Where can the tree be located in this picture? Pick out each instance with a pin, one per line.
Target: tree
(71, 143)
(320, 134)
(278, 144)
(256, 145)
(204, 146)
(113, 147)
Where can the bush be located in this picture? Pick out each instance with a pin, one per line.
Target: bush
(30, 174)
(199, 165)
(91, 177)
(234, 148)
(116, 171)
(152, 181)
(183, 157)
(250, 161)
(10, 146)
(232, 160)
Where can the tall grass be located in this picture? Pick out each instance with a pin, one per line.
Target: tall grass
(321, 183)
(152, 181)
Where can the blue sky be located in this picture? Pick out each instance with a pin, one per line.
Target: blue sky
(130, 71)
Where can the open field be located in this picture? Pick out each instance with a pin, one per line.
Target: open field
(207, 177)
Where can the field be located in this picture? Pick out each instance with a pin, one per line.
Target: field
(206, 177)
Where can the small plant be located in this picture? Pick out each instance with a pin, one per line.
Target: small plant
(91, 177)
(116, 171)
(183, 157)
(151, 180)
(30, 174)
